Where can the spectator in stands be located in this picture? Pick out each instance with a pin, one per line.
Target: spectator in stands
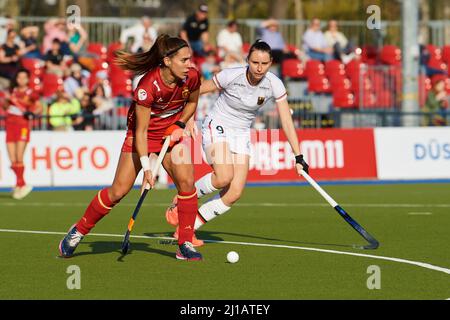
(85, 121)
(437, 102)
(139, 32)
(315, 44)
(30, 47)
(100, 99)
(77, 38)
(55, 60)
(342, 49)
(56, 29)
(6, 24)
(195, 31)
(62, 111)
(10, 54)
(229, 42)
(230, 61)
(210, 66)
(269, 33)
(75, 85)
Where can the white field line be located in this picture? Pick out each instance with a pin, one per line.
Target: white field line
(404, 261)
(420, 213)
(243, 204)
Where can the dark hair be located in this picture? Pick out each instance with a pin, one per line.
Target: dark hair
(231, 23)
(140, 63)
(261, 46)
(14, 80)
(56, 40)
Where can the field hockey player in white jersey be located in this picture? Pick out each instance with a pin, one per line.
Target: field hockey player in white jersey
(226, 132)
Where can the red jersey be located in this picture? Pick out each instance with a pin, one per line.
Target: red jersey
(165, 102)
(20, 102)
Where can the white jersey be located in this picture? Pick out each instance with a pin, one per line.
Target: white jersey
(239, 101)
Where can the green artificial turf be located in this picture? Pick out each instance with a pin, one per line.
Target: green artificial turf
(412, 222)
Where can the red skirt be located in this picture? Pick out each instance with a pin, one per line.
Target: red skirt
(154, 136)
(17, 129)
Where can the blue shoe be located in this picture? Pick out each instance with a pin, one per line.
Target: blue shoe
(70, 242)
(187, 252)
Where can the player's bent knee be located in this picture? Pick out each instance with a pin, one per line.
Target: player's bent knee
(223, 179)
(186, 185)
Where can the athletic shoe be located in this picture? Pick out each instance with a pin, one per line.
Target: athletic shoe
(15, 192)
(187, 252)
(70, 242)
(195, 242)
(172, 212)
(23, 192)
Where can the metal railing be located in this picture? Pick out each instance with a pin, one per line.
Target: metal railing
(107, 29)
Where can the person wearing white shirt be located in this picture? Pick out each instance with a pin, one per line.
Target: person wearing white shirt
(226, 131)
(338, 41)
(315, 44)
(138, 33)
(229, 42)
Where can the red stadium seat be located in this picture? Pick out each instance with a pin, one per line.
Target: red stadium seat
(437, 64)
(51, 83)
(339, 83)
(318, 84)
(391, 55)
(246, 47)
(112, 48)
(98, 49)
(446, 54)
(352, 68)
(343, 99)
(334, 68)
(34, 66)
(293, 49)
(369, 55)
(314, 67)
(121, 83)
(434, 51)
(292, 69)
(35, 83)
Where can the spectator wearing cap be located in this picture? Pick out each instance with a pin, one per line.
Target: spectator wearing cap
(10, 54)
(195, 31)
(315, 44)
(144, 31)
(437, 102)
(229, 42)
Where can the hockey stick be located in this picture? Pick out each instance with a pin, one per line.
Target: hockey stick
(126, 239)
(373, 243)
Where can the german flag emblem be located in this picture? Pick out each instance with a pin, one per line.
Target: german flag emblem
(260, 100)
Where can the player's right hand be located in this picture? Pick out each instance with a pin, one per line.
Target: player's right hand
(175, 131)
(148, 181)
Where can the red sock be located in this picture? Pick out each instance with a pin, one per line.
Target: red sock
(99, 207)
(20, 168)
(187, 210)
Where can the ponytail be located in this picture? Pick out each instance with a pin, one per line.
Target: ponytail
(141, 63)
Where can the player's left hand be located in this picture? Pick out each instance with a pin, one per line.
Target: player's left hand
(28, 115)
(191, 129)
(175, 131)
(300, 164)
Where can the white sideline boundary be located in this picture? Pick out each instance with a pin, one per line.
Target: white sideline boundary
(243, 204)
(398, 260)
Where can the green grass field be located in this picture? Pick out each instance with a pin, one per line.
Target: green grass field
(412, 222)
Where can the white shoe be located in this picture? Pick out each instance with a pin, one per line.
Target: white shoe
(23, 192)
(15, 192)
